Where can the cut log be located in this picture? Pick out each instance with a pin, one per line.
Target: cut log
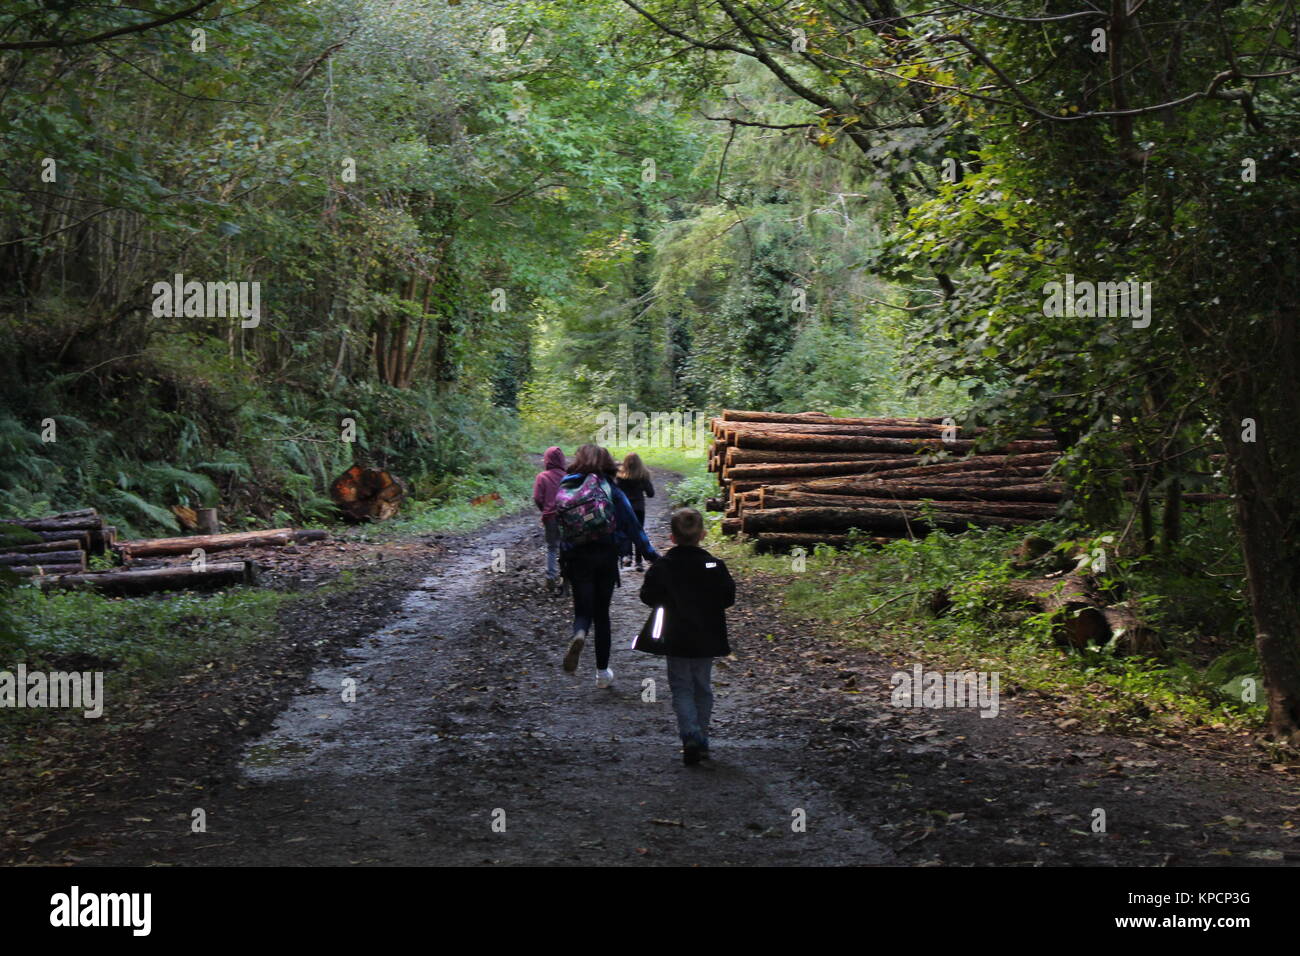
(782, 542)
(715, 504)
(1033, 510)
(1023, 466)
(367, 494)
(730, 526)
(183, 578)
(786, 472)
(739, 415)
(1035, 491)
(785, 441)
(1132, 637)
(44, 570)
(1081, 620)
(152, 547)
(209, 522)
(81, 538)
(76, 523)
(766, 456)
(40, 547)
(878, 520)
(49, 557)
(99, 540)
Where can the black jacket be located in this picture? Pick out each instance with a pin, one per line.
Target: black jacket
(636, 491)
(694, 588)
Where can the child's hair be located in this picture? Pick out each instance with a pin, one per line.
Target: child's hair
(633, 469)
(592, 459)
(687, 526)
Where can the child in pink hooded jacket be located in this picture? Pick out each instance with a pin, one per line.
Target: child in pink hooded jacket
(544, 488)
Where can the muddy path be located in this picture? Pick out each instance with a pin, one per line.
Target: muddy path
(464, 721)
(465, 743)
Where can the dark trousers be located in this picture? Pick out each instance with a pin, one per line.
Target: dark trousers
(593, 574)
(640, 519)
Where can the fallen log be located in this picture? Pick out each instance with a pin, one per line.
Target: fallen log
(130, 582)
(730, 526)
(152, 547)
(1080, 619)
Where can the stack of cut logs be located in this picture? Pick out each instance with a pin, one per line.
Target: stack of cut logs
(54, 549)
(806, 478)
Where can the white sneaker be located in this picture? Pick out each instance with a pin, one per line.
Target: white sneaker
(604, 678)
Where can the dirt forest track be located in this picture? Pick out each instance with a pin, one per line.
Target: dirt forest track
(463, 718)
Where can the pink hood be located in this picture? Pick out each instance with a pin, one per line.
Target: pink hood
(548, 481)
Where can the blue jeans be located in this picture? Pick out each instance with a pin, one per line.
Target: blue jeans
(552, 531)
(690, 680)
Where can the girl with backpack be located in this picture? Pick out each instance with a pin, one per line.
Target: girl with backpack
(595, 522)
(634, 481)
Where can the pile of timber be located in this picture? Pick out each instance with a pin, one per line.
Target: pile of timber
(53, 550)
(805, 478)
(54, 544)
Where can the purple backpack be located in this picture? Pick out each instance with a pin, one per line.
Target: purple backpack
(585, 512)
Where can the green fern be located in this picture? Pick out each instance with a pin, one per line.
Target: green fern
(157, 515)
(157, 473)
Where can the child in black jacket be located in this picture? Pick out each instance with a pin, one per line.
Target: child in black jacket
(634, 481)
(694, 588)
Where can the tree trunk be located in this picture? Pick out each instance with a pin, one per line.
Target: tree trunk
(155, 547)
(220, 575)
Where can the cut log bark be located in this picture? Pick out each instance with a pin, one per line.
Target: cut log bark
(76, 523)
(81, 538)
(48, 557)
(740, 415)
(1080, 620)
(44, 570)
(184, 578)
(1035, 491)
(784, 441)
(878, 520)
(781, 542)
(1031, 510)
(367, 494)
(40, 547)
(786, 472)
(152, 547)
(209, 522)
(766, 456)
